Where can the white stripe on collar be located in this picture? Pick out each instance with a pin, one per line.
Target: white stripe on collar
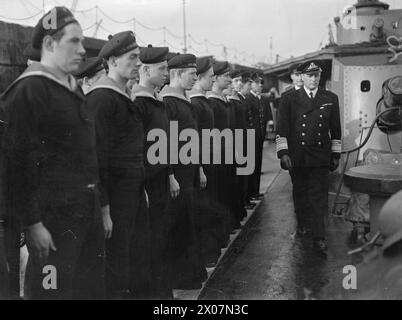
(234, 98)
(144, 94)
(175, 95)
(195, 95)
(113, 88)
(48, 76)
(216, 96)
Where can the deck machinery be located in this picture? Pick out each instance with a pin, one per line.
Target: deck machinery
(364, 68)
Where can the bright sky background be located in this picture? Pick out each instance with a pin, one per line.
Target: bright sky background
(296, 26)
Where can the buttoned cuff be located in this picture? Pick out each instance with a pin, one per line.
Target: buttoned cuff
(282, 147)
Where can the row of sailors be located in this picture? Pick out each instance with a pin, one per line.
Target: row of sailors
(76, 179)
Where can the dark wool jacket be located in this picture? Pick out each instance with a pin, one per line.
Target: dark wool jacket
(309, 130)
(154, 116)
(119, 131)
(50, 165)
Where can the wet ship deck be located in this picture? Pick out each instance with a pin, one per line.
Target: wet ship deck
(266, 261)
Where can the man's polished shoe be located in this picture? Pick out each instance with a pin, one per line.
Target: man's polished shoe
(320, 245)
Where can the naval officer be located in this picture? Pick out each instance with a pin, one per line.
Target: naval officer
(309, 146)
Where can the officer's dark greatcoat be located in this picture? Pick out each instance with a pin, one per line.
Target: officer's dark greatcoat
(51, 175)
(309, 131)
(154, 116)
(120, 145)
(185, 259)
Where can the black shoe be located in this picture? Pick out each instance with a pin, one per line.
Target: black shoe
(320, 245)
(250, 206)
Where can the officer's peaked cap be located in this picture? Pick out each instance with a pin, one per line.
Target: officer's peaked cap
(310, 67)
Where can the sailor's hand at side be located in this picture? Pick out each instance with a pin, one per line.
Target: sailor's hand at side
(39, 242)
(203, 179)
(107, 222)
(174, 187)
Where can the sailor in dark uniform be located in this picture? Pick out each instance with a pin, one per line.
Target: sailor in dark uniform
(153, 74)
(309, 145)
(185, 261)
(51, 167)
(259, 115)
(222, 116)
(33, 56)
(89, 72)
(209, 215)
(244, 91)
(240, 123)
(120, 145)
(238, 212)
